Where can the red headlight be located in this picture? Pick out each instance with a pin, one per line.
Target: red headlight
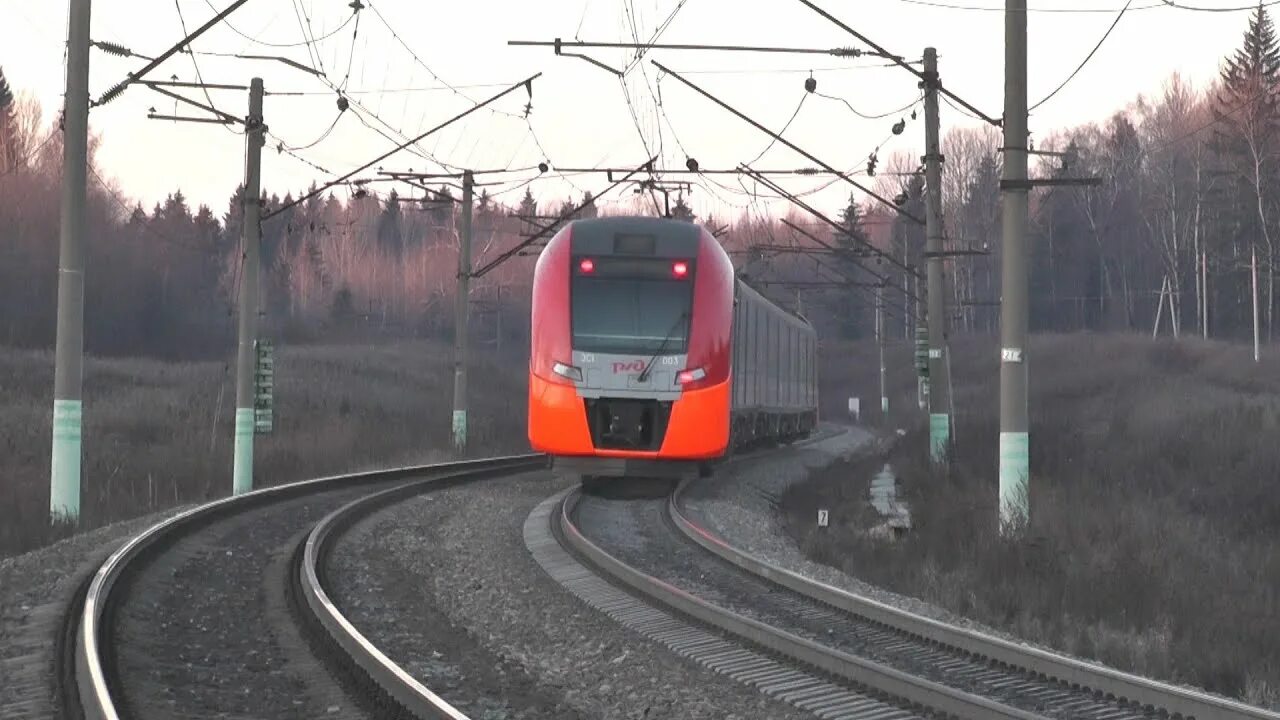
(680, 269)
(586, 265)
(684, 377)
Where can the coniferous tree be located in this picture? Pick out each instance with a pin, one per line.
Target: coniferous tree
(8, 126)
(681, 210)
(589, 209)
(852, 232)
(527, 209)
(390, 226)
(528, 206)
(1247, 138)
(6, 96)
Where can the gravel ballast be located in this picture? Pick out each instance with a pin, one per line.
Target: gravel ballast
(206, 628)
(35, 590)
(462, 605)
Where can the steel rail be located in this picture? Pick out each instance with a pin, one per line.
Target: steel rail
(1151, 694)
(96, 697)
(393, 679)
(908, 689)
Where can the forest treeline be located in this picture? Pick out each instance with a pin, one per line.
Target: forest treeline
(1189, 197)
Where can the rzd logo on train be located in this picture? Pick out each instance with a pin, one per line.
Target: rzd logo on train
(633, 366)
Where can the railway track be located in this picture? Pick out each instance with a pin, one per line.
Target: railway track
(222, 611)
(834, 653)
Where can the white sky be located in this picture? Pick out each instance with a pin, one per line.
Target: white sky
(579, 113)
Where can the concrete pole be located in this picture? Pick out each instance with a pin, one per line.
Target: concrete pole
(884, 394)
(462, 305)
(1015, 459)
(251, 240)
(939, 382)
(1204, 293)
(1253, 274)
(68, 373)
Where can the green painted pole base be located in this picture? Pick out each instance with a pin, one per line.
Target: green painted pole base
(1015, 470)
(459, 430)
(242, 474)
(939, 436)
(64, 477)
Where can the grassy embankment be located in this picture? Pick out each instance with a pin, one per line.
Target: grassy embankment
(157, 434)
(1155, 537)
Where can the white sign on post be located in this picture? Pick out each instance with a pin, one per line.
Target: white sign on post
(822, 518)
(855, 407)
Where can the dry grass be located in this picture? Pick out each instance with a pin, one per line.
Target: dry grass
(1153, 545)
(160, 434)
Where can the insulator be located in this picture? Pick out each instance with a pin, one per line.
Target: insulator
(113, 48)
(810, 84)
(113, 93)
(691, 164)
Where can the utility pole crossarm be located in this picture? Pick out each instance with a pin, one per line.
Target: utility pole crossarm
(188, 118)
(1032, 183)
(559, 45)
(696, 171)
(222, 116)
(842, 175)
(527, 82)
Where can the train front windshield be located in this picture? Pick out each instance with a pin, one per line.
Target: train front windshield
(628, 306)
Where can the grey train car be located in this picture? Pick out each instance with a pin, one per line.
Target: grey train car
(775, 371)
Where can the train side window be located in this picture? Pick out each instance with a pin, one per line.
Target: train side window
(776, 357)
(764, 358)
(791, 364)
(757, 358)
(769, 373)
(739, 342)
(779, 327)
(808, 371)
(793, 352)
(793, 359)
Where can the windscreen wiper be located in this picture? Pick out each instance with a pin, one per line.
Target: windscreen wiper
(644, 374)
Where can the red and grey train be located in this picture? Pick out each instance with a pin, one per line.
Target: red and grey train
(651, 357)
